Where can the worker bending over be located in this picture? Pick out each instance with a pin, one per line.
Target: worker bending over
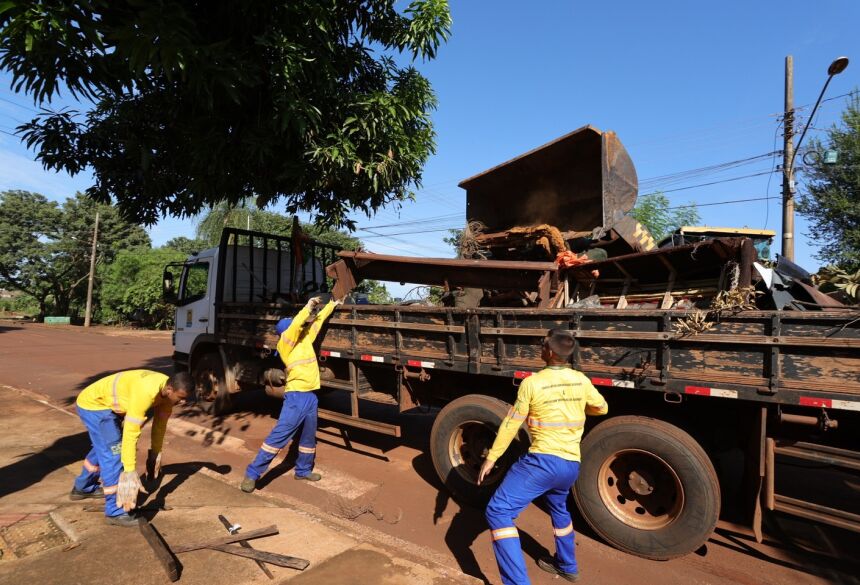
(296, 349)
(114, 409)
(553, 402)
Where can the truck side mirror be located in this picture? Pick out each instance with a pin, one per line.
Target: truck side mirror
(168, 293)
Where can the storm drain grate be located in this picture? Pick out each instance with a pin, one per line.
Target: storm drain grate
(31, 537)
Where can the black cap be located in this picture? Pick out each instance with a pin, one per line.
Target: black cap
(560, 341)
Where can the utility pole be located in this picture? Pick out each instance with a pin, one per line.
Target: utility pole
(787, 164)
(92, 273)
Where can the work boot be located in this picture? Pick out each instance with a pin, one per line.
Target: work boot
(123, 520)
(312, 476)
(248, 485)
(549, 565)
(77, 494)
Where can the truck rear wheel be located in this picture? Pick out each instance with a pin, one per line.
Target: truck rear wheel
(462, 435)
(647, 487)
(209, 378)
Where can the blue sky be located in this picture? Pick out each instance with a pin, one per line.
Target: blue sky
(685, 85)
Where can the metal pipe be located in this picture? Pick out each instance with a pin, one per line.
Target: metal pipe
(798, 419)
(769, 472)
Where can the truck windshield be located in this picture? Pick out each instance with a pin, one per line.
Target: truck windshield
(194, 282)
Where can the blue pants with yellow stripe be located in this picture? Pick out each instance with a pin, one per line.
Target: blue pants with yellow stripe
(103, 461)
(533, 475)
(299, 410)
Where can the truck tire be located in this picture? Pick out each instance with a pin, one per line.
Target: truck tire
(462, 434)
(647, 487)
(209, 378)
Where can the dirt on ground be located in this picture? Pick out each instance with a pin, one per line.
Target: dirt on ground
(388, 485)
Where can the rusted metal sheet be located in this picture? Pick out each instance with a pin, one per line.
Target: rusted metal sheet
(577, 182)
(353, 267)
(701, 261)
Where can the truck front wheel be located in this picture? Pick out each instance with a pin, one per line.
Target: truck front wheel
(208, 374)
(462, 435)
(647, 487)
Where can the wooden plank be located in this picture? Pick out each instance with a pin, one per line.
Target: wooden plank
(259, 533)
(159, 547)
(263, 556)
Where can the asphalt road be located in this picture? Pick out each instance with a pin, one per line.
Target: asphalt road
(390, 484)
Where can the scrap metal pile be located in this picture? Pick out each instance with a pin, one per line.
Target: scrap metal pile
(551, 228)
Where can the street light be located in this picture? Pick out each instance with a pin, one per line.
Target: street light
(838, 66)
(790, 151)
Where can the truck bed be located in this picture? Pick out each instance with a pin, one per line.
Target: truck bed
(807, 359)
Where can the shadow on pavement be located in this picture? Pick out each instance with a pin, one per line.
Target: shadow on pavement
(34, 467)
(181, 472)
(283, 467)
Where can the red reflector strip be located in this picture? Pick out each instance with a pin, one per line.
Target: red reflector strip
(601, 381)
(327, 353)
(821, 402)
(519, 374)
(372, 358)
(420, 364)
(697, 390)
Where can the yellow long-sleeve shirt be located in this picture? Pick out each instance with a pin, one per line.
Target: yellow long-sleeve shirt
(296, 348)
(131, 393)
(554, 403)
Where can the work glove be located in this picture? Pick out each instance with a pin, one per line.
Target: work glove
(127, 489)
(313, 303)
(153, 465)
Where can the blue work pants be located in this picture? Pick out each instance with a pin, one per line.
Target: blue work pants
(103, 461)
(299, 410)
(533, 475)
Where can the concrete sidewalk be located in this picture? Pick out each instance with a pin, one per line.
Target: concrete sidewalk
(46, 538)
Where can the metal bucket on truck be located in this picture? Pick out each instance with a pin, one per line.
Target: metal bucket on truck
(578, 182)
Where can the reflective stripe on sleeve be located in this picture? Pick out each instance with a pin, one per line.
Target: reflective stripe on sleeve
(510, 532)
(564, 424)
(563, 531)
(134, 420)
(91, 467)
(514, 415)
(269, 449)
(116, 407)
(300, 362)
(109, 489)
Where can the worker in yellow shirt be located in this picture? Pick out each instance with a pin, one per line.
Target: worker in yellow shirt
(296, 349)
(554, 403)
(114, 409)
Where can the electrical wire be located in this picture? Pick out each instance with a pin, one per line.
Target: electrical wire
(721, 202)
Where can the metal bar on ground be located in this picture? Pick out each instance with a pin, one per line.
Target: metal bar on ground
(232, 529)
(259, 533)
(160, 548)
(263, 556)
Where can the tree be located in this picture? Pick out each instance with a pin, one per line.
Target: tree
(830, 199)
(185, 245)
(654, 211)
(224, 215)
(131, 286)
(45, 248)
(194, 103)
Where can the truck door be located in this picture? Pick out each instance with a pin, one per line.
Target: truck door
(194, 306)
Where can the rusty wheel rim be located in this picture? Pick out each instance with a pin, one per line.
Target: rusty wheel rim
(468, 448)
(207, 385)
(640, 489)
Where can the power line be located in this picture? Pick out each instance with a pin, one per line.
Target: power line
(19, 105)
(759, 174)
(722, 202)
